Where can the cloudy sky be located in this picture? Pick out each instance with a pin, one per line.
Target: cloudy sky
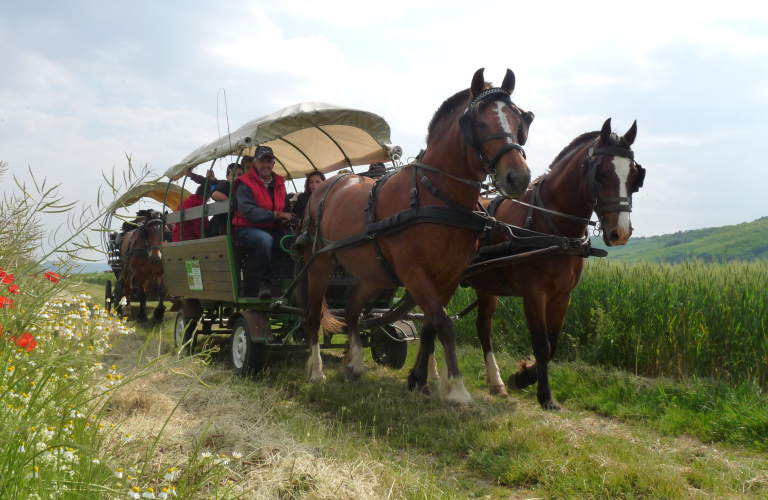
(84, 83)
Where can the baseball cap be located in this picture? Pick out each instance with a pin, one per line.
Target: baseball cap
(264, 151)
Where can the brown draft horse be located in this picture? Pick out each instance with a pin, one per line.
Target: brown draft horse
(142, 258)
(589, 175)
(428, 258)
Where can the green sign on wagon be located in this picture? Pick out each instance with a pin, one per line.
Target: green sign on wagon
(193, 275)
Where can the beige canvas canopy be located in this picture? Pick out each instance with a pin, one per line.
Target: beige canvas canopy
(154, 190)
(304, 137)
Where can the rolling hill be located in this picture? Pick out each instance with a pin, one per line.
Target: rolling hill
(746, 241)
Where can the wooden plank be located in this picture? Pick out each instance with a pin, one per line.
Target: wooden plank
(215, 243)
(180, 267)
(218, 207)
(203, 257)
(212, 286)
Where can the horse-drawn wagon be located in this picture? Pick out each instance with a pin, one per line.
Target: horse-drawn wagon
(112, 240)
(216, 278)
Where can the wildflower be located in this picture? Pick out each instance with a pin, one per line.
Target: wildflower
(119, 474)
(172, 474)
(134, 493)
(25, 341)
(6, 279)
(14, 289)
(95, 461)
(34, 474)
(222, 460)
(52, 277)
(4, 301)
(173, 490)
(163, 493)
(123, 302)
(48, 433)
(150, 493)
(237, 455)
(21, 448)
(206, 454)
(127, 439)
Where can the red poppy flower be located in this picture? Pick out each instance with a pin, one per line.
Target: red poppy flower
(14, 289)
(7, 279)
(25, 341)
(5, 301)
(52, 277)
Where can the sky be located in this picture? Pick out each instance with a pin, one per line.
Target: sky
(85, 83)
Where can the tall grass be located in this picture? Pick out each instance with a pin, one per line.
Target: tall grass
(689, 319)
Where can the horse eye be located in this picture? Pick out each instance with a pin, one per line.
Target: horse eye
(600, 176)
(482, 125)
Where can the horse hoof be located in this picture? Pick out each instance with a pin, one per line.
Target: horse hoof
(316, 378)
(512, 384)
(350, 375)
(550, 405)
(454, 393)
(498, 390)
(418, 387)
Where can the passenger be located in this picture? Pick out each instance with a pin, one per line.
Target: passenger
(376, 170)
(260, 214)
(247, 163)
(218, 224)
(192, 227)
(200, 179)
(314, 179)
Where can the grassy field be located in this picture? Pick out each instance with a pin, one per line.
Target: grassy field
(687, 320)
(374, 439)
(741, 242)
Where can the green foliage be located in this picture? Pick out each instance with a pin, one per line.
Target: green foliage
(691, 319)
(744, 242)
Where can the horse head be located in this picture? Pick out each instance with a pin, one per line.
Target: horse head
(153, 235)
(496, 129)
(610, 177)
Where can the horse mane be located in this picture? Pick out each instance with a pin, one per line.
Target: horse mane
(449, 106)
(578, 143)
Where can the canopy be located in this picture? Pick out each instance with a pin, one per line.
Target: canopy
(154, 190)
(304, 137)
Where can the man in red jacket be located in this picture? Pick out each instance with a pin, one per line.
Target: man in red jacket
(261, 212)
(192, 228)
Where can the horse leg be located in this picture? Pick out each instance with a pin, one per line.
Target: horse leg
(159, 311)
(484, 324)
(425, 361)
(535, 306)
(428, 298)
(353, 358)
(432, 366)
(144, 288)
(319, 274)
(127, 291)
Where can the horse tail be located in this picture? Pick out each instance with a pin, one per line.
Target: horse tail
(329, 322)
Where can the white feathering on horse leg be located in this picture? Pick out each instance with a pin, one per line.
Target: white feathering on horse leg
(354, 360)
(432, 368)
(453, 391)
(315, 365)
(493, 377)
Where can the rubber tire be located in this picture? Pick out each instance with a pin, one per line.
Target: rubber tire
(108, 295)
(183, 327)
(247, 357)
(393, 353)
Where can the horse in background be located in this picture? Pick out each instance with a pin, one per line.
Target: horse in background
(427, 258)
(142, 257)
(595, 173)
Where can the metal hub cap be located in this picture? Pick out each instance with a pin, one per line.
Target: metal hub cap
(179, 333)
(239, 347)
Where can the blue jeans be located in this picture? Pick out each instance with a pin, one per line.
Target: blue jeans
(263, 241)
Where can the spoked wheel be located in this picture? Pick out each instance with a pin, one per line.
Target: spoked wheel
(108, 299)
(183, 332)
(391, 351)
(247, 356)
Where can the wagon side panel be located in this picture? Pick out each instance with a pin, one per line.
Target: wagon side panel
(199, 269)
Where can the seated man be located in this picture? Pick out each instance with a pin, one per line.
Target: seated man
(261, 214)
(192, 227)
(221, 193)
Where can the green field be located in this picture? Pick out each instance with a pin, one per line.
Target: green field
(744, 242)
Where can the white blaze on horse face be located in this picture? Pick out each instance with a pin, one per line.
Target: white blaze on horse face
(622, 168)
(503, 119)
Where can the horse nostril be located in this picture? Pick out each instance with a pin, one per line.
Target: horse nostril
(512, 180)
(615, 235)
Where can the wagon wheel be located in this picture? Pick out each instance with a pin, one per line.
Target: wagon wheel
(247, 356)
(391, 353)
(183, 331)
(108, 299)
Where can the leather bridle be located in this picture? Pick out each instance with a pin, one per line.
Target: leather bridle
(466, 124)
(589, 167)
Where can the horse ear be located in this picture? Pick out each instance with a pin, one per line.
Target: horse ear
(605, 132)
(478, 82)
(509, 81)
(631, 133)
